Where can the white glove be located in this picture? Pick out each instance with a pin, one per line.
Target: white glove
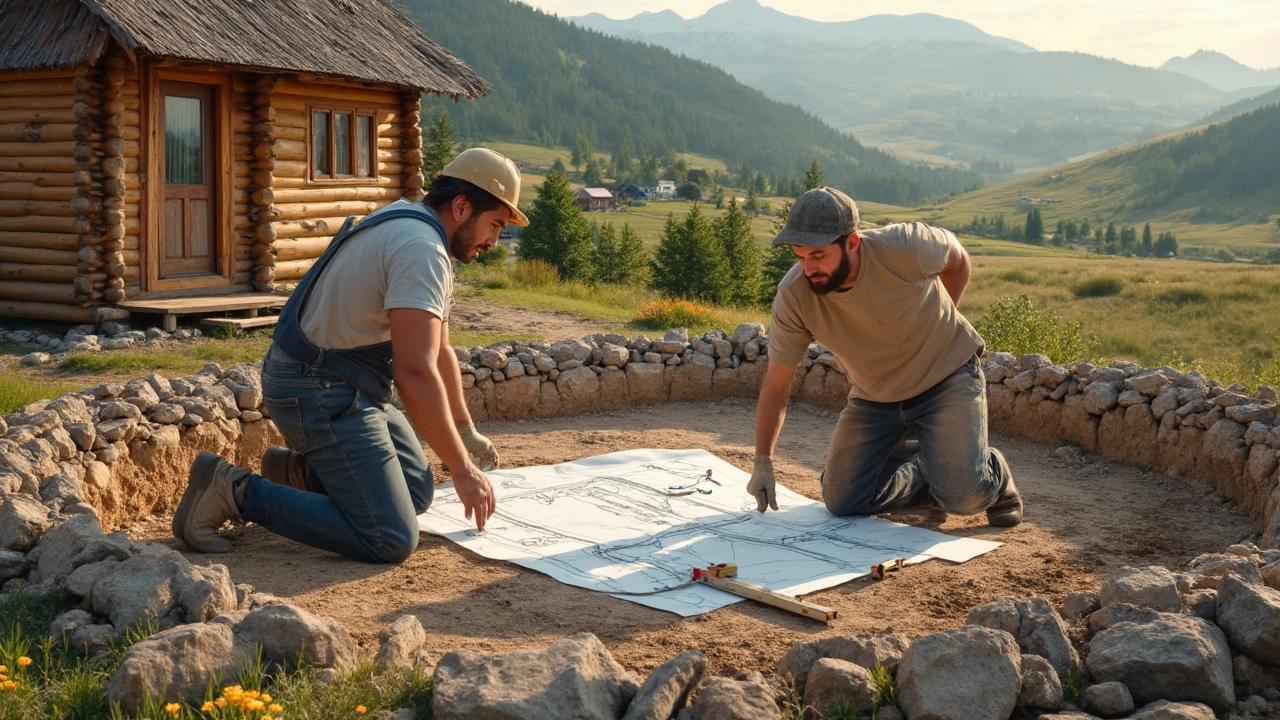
(481, 448)
(763, 487)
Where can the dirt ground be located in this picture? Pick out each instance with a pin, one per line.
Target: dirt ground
(477, 316)
(1083, 519)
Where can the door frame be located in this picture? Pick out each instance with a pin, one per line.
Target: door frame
(221, 174)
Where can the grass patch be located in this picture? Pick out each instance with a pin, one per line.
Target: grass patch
(248, 347)
(1021, 277)
(17, 391)
(1181, 297)
(1102, 286)
(667, 314)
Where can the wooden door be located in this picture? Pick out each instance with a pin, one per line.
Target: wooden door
(187, 231)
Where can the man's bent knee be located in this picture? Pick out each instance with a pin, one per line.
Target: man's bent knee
(393, 547)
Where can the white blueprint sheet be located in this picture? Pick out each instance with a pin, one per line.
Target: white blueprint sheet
(607, 523)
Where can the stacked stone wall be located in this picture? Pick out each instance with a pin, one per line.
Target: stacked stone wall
(123, 450)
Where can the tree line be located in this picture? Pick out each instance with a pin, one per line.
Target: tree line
(1110, 240)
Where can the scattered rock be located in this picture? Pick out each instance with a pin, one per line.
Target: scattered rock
(970, 673)
(173, 665)
(1115, 613)
(1036, 626)
(22, 522)
(285, 632)
(1165, 710)
(667, 688)
(833, 681)
(1108, 699)
(1150, 587)
(743, 697)
(1080, 603)
(1175, 657)
(1041, 686)
(575, 678)
(1250, 616)
(397, 644)
(863, 649)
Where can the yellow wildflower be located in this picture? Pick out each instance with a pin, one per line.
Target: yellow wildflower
(3, 669)
(360, 709)
(206, 707)
(220, 702)
(24, 661)
(251, 694)
(172, 708)
(276, 708)
(10, 685)
(255, 705)
(264, 697)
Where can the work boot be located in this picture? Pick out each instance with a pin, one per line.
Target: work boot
(283, 466)
(1007, 509)
(209, 501)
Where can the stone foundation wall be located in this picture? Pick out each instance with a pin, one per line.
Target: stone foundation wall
(123, 451)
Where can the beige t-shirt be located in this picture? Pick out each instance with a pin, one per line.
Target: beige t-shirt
(401, 263)
(896, 331)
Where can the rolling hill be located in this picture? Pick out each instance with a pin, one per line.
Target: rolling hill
(553, 81)
(932, 87)
(1222, 72)
(1215, 186)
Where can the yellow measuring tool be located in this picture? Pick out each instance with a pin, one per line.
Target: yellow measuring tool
(724, 577)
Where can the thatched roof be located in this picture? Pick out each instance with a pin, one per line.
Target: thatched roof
(358, 39)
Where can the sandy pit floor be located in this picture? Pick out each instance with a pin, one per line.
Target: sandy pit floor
(1083, 519)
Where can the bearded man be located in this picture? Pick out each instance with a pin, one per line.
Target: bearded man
(372, 310)
(885, 303)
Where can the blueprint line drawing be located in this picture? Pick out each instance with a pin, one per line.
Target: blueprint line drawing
(611, 523)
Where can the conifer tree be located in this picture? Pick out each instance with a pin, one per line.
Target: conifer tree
(558, 232)
(619, 258)
(1147, 247)
(814, 177)
(778, 259)
(592, 175)
(742, 255)
(438, 148)
(690, 261)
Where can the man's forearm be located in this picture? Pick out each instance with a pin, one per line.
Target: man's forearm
(771, 412)
(426, 400)
(955, 283)
(451, 374)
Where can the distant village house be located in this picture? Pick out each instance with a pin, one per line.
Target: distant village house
(184, 156)
(594, 199)
(666, 189)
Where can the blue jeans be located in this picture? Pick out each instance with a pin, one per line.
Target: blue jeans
(365, 455)
(955, 464)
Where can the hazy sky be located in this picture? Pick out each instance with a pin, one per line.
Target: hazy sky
(1142, 32)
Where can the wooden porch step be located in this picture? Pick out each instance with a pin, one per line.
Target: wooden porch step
(242, 323)
(172, 308)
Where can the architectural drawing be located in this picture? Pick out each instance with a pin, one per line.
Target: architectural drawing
(639, 521)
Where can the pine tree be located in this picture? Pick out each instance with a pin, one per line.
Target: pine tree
(1147, 247)
(690, 261)
(814, 177)
(619, 259)
(1034, 227)
(558, 232)
(743, 256)
(581, 152)
(1112, 239)
(439, 147)
(592, 175)
(778, 259)
(558, 167)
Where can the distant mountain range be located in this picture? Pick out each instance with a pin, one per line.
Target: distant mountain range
(1221, 71)
(932, 87)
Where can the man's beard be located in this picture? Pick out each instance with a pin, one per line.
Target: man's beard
(837, 278)
(464, 241)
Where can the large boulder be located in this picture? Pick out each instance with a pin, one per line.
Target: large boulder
(1116, 613)
(1165, 710)
(1175, 657)
(63, 549)
(1036, 625)
(1250, 616)
(832, 681)
(1151, 587)
(575, 679)
(969, 673)
(174, 665)
(1108, 699)
(863, 649)
(1206, 570)
(162, 586)
(745, 696)
(667, 688)
(286, 633)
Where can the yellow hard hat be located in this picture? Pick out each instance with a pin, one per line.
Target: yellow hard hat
(493, 173)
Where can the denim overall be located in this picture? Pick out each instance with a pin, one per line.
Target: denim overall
(333, 407)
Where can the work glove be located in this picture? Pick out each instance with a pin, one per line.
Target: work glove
(481, 448)
(762, 486)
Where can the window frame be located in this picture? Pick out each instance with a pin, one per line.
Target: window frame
(332, 178)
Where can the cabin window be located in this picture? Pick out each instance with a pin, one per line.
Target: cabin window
(343, 144)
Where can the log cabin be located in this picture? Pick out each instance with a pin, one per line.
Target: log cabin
(185, 156)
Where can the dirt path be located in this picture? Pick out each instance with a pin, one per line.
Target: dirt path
(473, 315)
(1082, 521)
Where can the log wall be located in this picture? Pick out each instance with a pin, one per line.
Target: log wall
(44, 141)
(298, 216)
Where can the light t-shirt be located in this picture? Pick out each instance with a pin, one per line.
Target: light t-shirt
(401, 263)
(896, 332)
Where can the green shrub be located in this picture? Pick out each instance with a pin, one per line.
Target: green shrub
(1181, 297)
(1018, 326)
(535, 273)
(1103, 286)
(493, 257)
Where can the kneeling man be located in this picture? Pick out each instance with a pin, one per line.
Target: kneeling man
(885, 303)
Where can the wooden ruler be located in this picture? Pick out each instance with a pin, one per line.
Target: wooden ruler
(724, 577)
